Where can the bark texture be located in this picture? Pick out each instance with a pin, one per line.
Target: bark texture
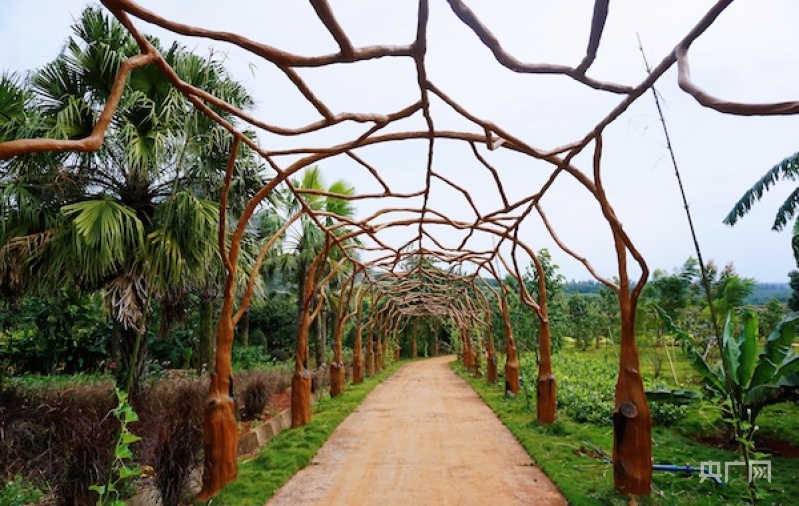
(357, 357)
(512, 360)
(546, 388)
(301, 380)
(220, 433)
(370, 355)
(492, 372)
(300, 398)
(337, 374)
(632, 421)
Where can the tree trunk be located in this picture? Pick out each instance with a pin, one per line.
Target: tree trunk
(244, 329)
(300, 398)
(206, 341)
(492, 372)
(512, 371)
(546, 389)
(301, 381)
(413, 347)
(321, 338)
(632, 422)
(370, 353)
(512, 361)
(357, 356)
(466, 353)
(116, 344)
(127, 348)
(476, 356)
(220, 434)
(379, 356)
(338, 373)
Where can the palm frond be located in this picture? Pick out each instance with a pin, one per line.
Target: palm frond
(107, 235)
(181, 247)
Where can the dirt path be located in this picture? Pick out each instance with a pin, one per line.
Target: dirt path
(423, 437)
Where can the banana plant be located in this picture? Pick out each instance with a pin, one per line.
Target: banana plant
(749, 380)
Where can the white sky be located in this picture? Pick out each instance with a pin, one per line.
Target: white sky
(748, 55)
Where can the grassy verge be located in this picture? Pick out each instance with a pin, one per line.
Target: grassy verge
(291, 450)
(573, 456)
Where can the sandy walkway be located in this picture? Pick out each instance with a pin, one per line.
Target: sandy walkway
(423, 437)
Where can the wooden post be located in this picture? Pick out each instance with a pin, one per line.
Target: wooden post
(632, 421)
(512, 360)
(492, 372)
(357, 355)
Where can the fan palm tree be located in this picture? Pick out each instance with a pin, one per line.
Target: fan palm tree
(138, 218)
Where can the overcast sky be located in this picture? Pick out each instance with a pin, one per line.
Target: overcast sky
(748, 55)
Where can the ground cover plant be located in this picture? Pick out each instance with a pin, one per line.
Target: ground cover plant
(288, 452)
(575, 454)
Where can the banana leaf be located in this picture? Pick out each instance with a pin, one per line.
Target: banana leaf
(790, 366)
(732, 352)
(714, 377)
(747, 343)
(774, 352)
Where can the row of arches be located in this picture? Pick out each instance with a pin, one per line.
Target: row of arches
(398, 279)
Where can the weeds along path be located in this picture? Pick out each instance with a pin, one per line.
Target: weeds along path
(422, 437)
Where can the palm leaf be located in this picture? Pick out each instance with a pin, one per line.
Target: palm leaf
(107, 234)
(182, 245)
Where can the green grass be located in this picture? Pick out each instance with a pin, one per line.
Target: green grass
(291, 450)
(58, 381)
(567, 452)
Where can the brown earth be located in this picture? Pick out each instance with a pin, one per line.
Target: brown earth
(763, 444)
(422, 437)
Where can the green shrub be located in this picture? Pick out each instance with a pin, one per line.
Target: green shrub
(587, 385)
(257, 338)
(18, 492)
(250, 357)
(64, 333)
(666, 412)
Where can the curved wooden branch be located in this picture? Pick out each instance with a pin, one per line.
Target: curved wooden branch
(726, 106)
(471, 20)
(93, 142)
